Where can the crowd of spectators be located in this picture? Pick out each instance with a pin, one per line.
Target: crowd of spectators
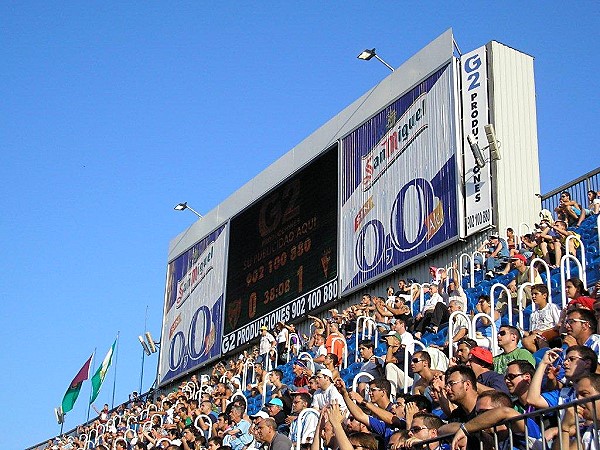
(404, 392)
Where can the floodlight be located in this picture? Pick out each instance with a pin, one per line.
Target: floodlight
(493, 144)
(367, 54)
(150, 342)
(60, 416)
(184, 205)
(476, 151)
(144, 346)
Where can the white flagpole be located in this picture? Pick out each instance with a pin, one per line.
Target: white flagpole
(91, 369)
(115, 378)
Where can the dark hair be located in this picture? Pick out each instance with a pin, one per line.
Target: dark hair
(422, 402)
(484, 297)
(587, 354)
(575, 281)
(471, 343)
(587, 315)
(431, 421)
(498, 398)
(305, 396)
(216, 440)
(541, 288)
(364, 440)
(514, 331)
(277, 372)
(567, 193)
(334, 358)
(524, 366)
(466, 373)
(594, 380)
(424, 356)
(383, 384)
(367, 343)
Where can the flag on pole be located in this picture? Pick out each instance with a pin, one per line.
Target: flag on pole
(75, 386)
(100, 374)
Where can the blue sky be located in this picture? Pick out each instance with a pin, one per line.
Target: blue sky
(112, 112)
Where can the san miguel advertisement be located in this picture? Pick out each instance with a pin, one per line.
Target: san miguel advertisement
(282, 254)
(399, 186)
(192, 328)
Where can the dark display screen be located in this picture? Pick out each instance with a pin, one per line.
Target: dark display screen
(282, 253)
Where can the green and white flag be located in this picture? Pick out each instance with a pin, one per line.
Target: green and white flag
(100, 374)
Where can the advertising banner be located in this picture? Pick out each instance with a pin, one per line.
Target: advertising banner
(399, 188)
(478, 192)
(192, 328)
(282, 261)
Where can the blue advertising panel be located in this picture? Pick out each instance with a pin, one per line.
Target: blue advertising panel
(399, 182)
(192, 329)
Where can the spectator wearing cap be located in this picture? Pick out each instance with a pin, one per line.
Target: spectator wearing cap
(482, 362)
(326, 392)
(433, 314)
(275, 410)
(267, 342)
(519, 262)
(496, 254)
(508, 340)
(268, 434)
(542, 321)
(301, 373)
(394, 362)
(581, 326)
(309, 421)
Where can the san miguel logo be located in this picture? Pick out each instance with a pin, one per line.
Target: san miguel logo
(194, 276)
(395, 142)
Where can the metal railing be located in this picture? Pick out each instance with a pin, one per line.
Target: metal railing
(502, 433)
(577, 188)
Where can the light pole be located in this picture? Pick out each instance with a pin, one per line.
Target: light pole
(184, 205)
(367, 54)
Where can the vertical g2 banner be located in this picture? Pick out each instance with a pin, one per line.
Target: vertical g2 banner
(192, 330)
(399, 189)
(478, 192)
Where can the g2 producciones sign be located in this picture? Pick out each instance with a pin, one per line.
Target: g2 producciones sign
(192, 327)
(399, 187)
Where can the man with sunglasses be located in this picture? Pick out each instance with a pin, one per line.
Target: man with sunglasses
(518, 378)
(424, 426)
(578, 362)
(508, 340)
(581, 325)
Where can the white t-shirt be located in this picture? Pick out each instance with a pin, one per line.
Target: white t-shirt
(545, 318)
(323, 398)
(265, 343)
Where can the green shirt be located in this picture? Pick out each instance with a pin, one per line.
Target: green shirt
(501, 361)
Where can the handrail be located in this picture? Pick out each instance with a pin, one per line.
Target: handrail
(289, 344)
(245, 368)
(457, 275)
(450, 336)
(494, 338)
(301, 424)
(508, 298)
(564, 267)
(471, 267)
(583, 267)
(521, 301)
(532, 264)
(305, 356)
(204, 417)
(368, 324)
(357, 376)
(264, 392)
